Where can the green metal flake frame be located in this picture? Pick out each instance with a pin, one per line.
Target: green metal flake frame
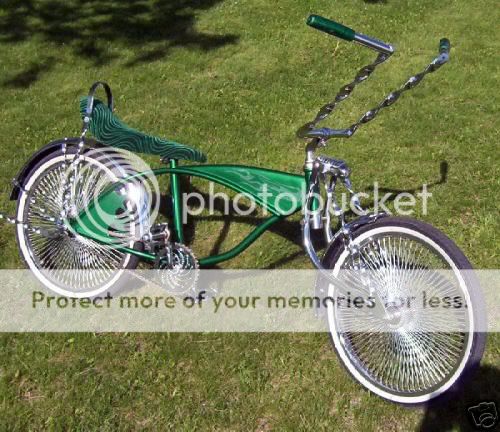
(280, 193)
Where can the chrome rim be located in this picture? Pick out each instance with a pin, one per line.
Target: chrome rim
(399, 351)
(65, 258)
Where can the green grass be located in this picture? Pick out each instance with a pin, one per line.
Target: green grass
(236, 79)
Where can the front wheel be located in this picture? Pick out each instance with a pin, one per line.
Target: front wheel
(399, 354)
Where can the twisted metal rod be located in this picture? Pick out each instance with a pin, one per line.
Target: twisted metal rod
(344, 92)
(309, 131)
(392, 97)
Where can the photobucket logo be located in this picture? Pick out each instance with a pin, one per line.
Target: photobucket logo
(403, 203)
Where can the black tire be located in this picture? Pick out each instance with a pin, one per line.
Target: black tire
(475, 353)
(129, 261)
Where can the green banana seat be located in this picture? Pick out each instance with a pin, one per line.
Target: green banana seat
(111, 131)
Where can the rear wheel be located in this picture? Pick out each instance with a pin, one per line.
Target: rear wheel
(65, 262)
(397, 356)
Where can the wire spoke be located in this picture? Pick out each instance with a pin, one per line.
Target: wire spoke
(69, 260)
(413, 355)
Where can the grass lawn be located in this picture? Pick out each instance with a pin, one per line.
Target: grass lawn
(236, 79)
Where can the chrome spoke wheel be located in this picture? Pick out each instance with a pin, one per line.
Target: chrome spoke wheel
(64, 261)
(402, 349)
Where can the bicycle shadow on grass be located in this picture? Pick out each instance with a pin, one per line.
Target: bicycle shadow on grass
(394, 192)
(285, 228)
(288, 229)
(453, 414)
(101, 31)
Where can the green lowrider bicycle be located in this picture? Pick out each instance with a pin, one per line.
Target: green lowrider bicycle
(82, 210)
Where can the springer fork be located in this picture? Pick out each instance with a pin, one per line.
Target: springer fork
(328, 172)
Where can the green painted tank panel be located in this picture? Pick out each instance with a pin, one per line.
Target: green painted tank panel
(279, 192)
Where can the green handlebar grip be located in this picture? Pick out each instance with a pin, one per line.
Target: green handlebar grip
(444, 46)
(331, 27)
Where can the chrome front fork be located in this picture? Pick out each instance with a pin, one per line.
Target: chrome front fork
(326, 173)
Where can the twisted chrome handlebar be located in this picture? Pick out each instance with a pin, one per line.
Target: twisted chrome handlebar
(309, 130)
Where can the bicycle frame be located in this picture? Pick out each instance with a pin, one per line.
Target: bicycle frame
(287, 193)
(280, 193)
(250, 180)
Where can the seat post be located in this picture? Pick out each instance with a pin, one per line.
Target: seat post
(175, 191)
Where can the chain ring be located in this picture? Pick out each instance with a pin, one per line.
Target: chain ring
(181, 275)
